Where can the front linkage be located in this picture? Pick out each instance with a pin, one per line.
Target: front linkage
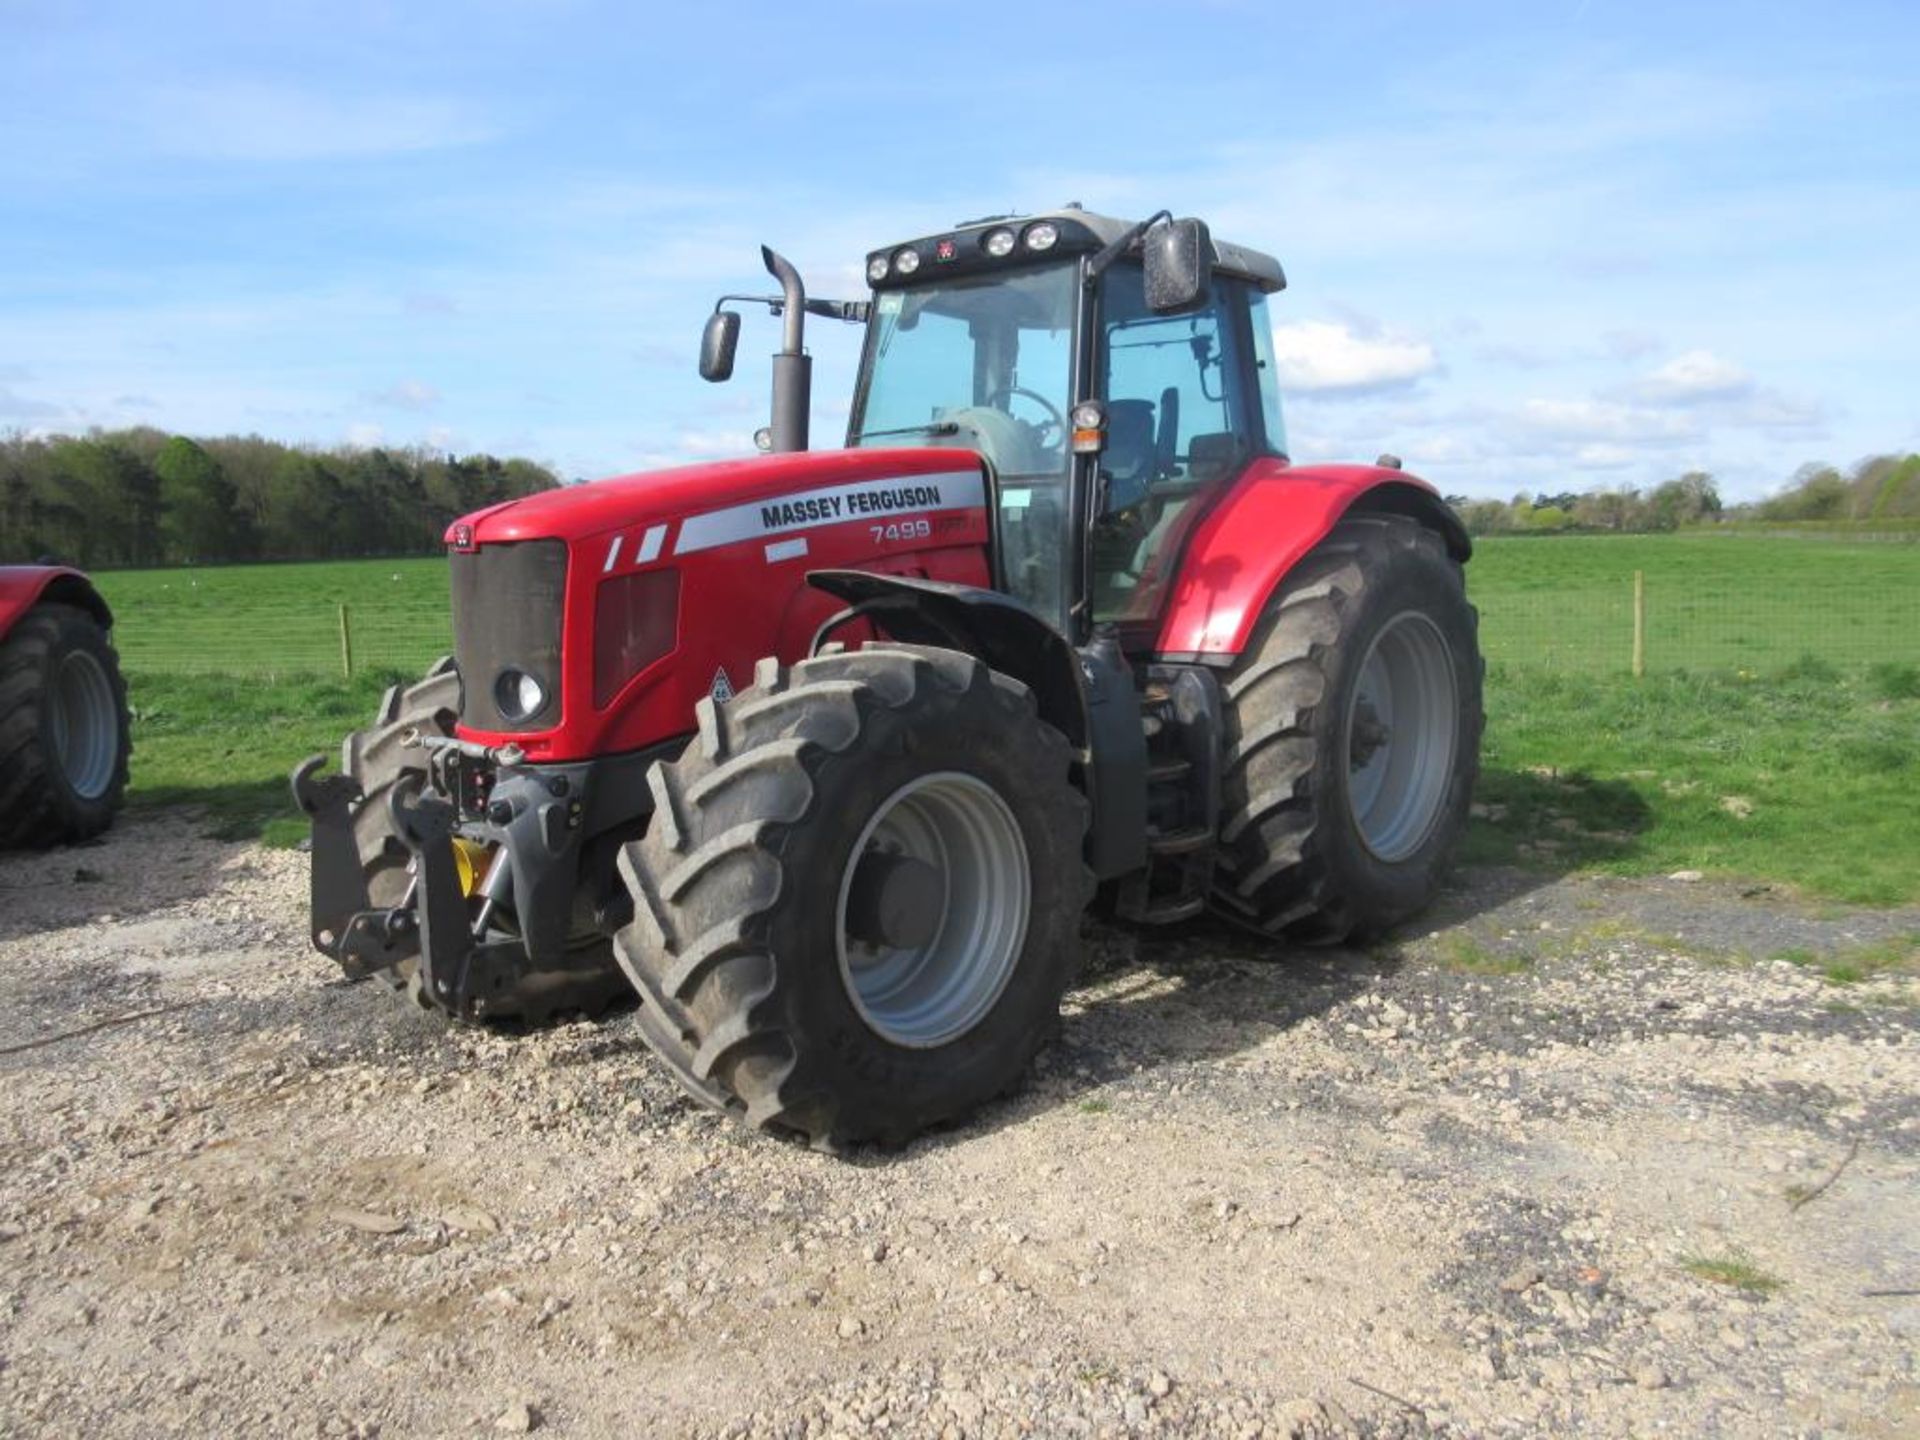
(494, 850)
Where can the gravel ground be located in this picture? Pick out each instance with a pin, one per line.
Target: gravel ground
(1448, 1186)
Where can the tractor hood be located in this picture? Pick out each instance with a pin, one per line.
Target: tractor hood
(776, 491)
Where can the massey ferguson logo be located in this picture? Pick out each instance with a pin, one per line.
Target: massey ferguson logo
(825, 508)
(832, 505)
(463, 537)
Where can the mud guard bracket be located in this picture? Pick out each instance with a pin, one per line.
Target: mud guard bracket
(424, 823)
(338, 889)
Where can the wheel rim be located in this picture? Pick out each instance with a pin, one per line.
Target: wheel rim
(1401, 728)
(84, 724)
(927, 994)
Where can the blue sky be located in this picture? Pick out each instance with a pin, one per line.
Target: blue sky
(1531, 246)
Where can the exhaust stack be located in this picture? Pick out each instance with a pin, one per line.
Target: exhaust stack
(792, 367)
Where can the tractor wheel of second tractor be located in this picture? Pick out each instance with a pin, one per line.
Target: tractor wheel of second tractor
(63, 729)
(378, 758)
(1353, 737)
(857, 904)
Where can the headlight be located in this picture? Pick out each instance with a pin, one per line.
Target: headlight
(1042, 236)
(998, 243)
(906, 261)
(877, 269)
(517, 695)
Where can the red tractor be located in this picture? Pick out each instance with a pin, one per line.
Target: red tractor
(825, 753)
(63, 709)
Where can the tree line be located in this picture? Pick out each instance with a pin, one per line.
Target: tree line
(141, 497)
(1881, 487)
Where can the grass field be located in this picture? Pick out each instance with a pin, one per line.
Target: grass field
(1713, 601)
(1777, 735)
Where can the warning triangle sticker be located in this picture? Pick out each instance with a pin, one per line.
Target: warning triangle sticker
(722, 688)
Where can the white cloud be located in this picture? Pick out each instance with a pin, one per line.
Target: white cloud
(365, 434)
(1585, 422)
(1723, 393)
(1323, 357)
(1693, 378)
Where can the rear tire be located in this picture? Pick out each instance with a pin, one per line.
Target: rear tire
(378, 759)
(1353, 727)
(64, 731)
(756, 986)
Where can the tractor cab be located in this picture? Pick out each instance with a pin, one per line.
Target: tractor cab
(1113, 376)
(1098, 380)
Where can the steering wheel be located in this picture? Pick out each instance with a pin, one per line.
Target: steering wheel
(1055, 423)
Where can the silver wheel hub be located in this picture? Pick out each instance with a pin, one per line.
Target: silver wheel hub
(932, 911)
(83, 724)
(1401, 735)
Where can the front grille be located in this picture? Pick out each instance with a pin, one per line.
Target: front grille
(507, 610)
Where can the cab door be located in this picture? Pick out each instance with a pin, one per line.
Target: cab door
(1183, 419)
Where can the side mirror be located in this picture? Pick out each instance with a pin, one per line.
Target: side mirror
(717, 344)
(1179, 266)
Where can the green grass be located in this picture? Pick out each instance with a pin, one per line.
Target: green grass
(1898, 956)
(227, 745)
(1734, 1271)
(1652, 777)
(1464, 955)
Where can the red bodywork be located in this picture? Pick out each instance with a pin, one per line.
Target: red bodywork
(1270, 517)
(742, 591)
(739, 598)
(24, 586)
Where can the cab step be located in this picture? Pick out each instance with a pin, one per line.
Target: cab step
(1180, 714)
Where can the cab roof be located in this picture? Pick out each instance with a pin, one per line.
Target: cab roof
(961, 249)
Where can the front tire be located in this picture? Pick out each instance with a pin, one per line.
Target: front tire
(1353, 727)
(64, 731)
(857, 905)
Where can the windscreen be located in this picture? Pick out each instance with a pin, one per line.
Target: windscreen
(986, 363)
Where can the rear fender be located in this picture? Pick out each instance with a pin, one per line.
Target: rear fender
(24, 586)
(1262, 527)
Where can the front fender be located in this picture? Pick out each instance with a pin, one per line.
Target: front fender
(1261, 528)
(998, 628)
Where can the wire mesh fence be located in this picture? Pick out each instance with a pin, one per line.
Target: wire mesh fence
(1701, 603)
(340, 639)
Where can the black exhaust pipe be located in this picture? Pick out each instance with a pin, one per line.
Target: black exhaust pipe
(792, 367)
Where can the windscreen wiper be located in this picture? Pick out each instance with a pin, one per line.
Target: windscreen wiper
(932, 427)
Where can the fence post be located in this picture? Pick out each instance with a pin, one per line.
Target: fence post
(1639, 624)
(346, 643)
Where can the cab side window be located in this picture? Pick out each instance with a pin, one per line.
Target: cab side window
(1176, 426)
